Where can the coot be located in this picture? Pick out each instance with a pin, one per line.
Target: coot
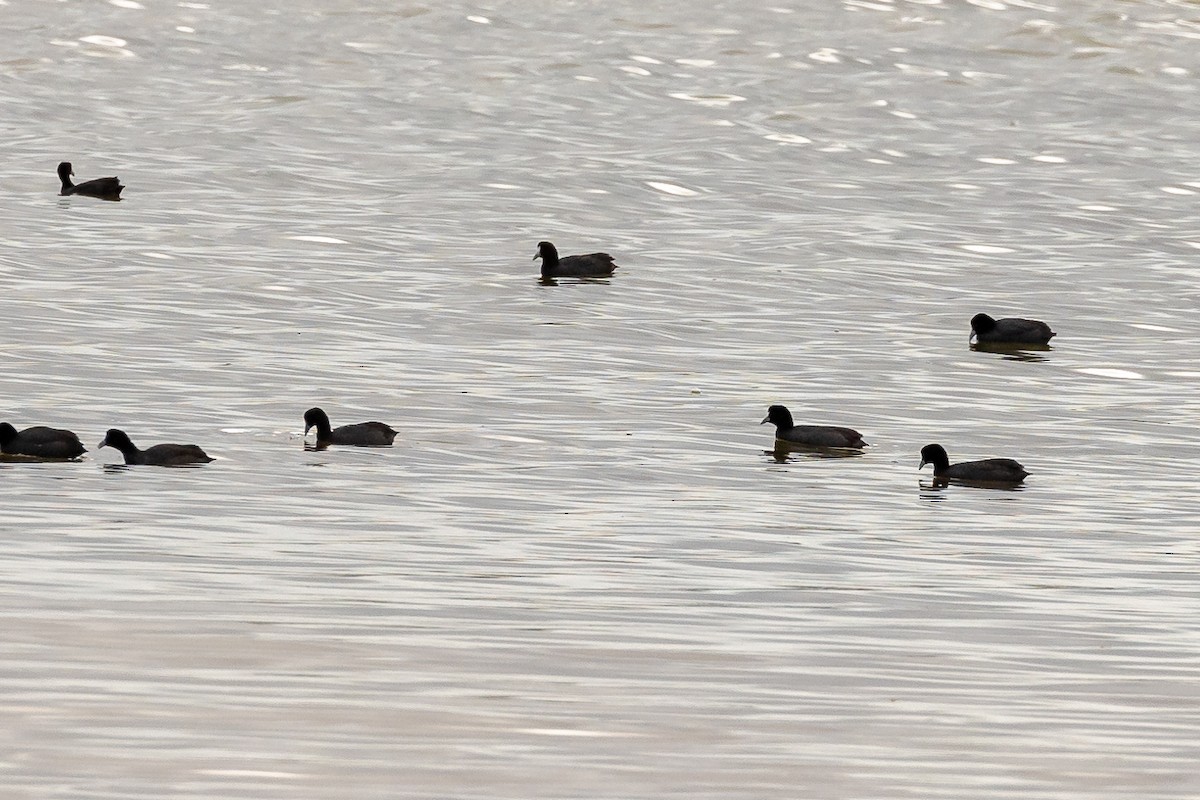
(1010, 330)
(40, 442)
(593, 265)
(988, 470)
(160, 455)
(810, 435)
(103, 188)
(362, 434)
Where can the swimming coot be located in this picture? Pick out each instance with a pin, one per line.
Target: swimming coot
(40, 442)
(103, 188)
(988, 470)
(363, 434)
(810, 435)
(593, 265)
(1010, 330)
(160, 455)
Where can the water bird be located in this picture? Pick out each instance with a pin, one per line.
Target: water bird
(160, 455)
(988, 470)
(40, 442)
(362, 434)
(810, 435)
(103, 188)
(592, 265)
(1010, 330)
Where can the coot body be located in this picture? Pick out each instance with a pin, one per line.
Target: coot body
(592, 265)
(810, 435)
(362, 434)
(987, 470)
(40, 442)
(160, 455)
(1010, 330)
(102, 188)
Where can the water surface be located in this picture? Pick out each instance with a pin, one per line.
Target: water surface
(581, 571)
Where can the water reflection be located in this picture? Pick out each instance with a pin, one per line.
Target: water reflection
(155, 613)
(784, 452)
(1014, 352)
(932, 489)
(121, 467)
(16, 458)
(556, 281)
(64, 201)
(318, 447)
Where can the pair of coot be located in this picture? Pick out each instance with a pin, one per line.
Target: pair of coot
(988, 470)
(102, 188)
(58, 443)
(984, 328)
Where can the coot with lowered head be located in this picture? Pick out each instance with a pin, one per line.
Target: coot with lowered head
(40, 442)
(1010, 330)
(160, 455)
(362, 434)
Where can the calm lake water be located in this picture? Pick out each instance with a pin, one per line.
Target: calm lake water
(581, 572)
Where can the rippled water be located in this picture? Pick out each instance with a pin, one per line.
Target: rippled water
(581, 572)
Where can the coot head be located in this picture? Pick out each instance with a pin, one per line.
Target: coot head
(117, 439)
(982, 324)
(778, 416)
(316, 418)
(935, 454)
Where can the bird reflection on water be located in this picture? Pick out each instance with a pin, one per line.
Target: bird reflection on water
(784, 452)
(935, 489)
(1014, 352)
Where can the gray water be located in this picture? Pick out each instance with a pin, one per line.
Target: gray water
(581, 572)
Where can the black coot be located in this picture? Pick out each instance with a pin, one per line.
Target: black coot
(363, 434)
(1010, 330)
(40, 442)
(160, 455)
(810, 435)
(103, 188)
(593, 265)
(988, 470)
